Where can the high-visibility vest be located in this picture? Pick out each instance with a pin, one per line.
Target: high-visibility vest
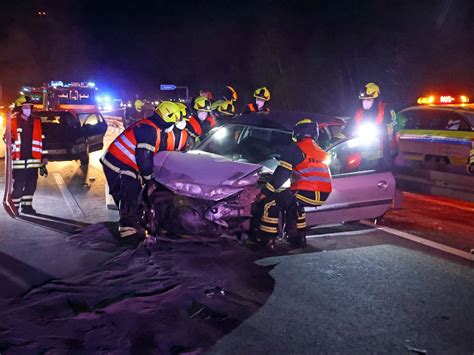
(195, 125)
(176, 140)
(36, 144)
(124, 146)
(360, 113)
(311, 174)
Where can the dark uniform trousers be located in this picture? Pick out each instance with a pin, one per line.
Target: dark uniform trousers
(125, 191)
(24, 186)
(290, 203)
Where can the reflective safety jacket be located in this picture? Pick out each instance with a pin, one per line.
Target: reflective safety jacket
(361, 114)
(124, 146)
(311, 174)
(197, 128)
(34, 159)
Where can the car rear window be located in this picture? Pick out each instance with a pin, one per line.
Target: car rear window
(65, 119)
(435, 120)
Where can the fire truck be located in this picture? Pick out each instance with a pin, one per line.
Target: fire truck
(56, 95)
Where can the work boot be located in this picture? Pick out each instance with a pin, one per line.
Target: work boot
(298, 240)
(28, 210)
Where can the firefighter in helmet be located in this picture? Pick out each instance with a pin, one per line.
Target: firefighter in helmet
(373, 113)
(128, 162)
(262, 96)
(303, 165)
(201, 121)
(133, 114)
(28, 155)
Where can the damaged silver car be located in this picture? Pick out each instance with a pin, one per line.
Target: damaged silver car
(212, 188)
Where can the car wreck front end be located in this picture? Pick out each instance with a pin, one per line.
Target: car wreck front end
(200, 193)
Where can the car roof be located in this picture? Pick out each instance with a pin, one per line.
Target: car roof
(466, 110)
(284, 120)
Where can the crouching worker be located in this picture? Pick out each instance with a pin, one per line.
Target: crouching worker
(128, 162)
(304, 162)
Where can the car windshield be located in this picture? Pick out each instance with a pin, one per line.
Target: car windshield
(247, 144)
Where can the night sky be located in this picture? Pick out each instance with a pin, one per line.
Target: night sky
(313, 55)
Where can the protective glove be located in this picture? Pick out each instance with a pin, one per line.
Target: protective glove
(43, 170)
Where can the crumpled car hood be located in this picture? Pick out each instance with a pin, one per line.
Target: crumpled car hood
(203, 175)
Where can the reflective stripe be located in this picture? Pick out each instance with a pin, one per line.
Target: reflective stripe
(268, 229)
(37, 143)
(34, 149)
(33, 160)
(125, 151)
(116, 169)
(312, 170)
(19, 161)
(27, 198)
(315, 202)
(285, 165)
(27, 203)
(314, 178)
(148, 177)
(265, 217)
(45, 152)
(127, 142)
(146, 146)
(301, 225)
(126, 231)
(270, 187)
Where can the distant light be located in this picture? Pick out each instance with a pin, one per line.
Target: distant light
(56, 83)
(91, 84)
(25, 89)
(22, 93)
(464, 99)
(107, 98)
(99, 99)
(446, 99)
(221, 133)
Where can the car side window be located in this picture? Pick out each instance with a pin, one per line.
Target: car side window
(92, 119)
(356, 155)
(417, 119)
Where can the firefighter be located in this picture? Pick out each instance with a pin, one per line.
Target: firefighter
(207, 94)
(128, 162)
(201, 121)
(27, 153)
(305, 163)
(374, 111)
(133, 114)
(228, 94)
(262, 96)
(224, 112)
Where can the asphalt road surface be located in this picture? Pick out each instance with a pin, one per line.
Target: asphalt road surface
(352, 289)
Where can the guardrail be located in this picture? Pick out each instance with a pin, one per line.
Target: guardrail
(437, 183)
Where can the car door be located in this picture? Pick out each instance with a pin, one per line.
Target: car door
(94, 128)
(363, 187)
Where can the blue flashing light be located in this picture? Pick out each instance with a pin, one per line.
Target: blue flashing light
(91, 84)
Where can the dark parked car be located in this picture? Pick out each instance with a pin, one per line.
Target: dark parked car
(72, 136)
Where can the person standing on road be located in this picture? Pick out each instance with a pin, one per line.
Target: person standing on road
(262, 96)
(128, 162)
(27, 154)
(373, 111)
(303, 163)
(133, 114)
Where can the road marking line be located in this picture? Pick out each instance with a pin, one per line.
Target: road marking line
(68, 197)
(442, 203)
(365, 231)
(426, 242)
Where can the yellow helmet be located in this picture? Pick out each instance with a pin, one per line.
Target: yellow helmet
(201, 103)
(168, 111)
(183, 111)
(230, 93)
(23, 100)
(138, 104)
(262, 93)
(226, 108)
(369, 91)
